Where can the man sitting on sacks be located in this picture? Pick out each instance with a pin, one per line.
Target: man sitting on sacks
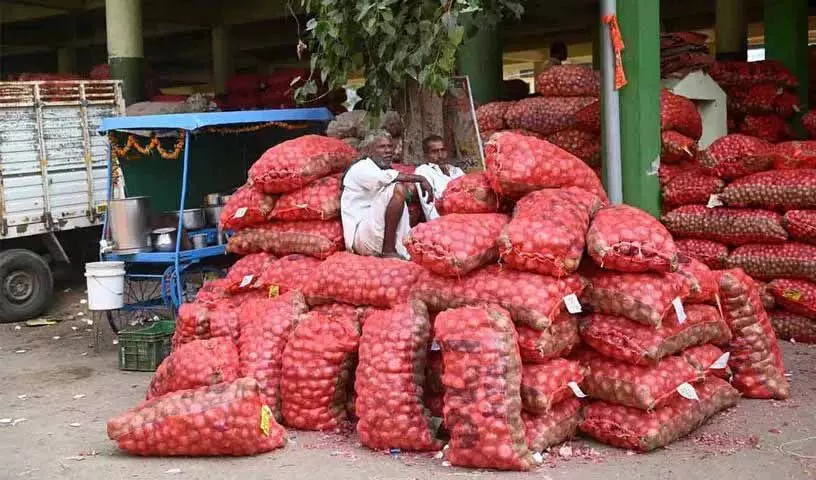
(438, 172)
(373, 203)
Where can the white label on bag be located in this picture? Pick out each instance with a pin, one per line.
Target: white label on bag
(721, 362)
(576, 390)
(679, 310)
(246, 280)
(572, 303)
(714, 201)
(687, 391)
(240, 212)
(435, 346)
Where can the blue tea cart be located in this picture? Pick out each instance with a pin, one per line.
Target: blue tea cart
(155, 281)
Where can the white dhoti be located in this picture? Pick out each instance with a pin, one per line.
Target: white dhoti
(368, 239)
(439, 181)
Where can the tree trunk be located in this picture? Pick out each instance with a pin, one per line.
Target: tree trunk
(423, 114)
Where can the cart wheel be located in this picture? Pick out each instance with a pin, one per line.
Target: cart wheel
(143, 303)
(193, 278)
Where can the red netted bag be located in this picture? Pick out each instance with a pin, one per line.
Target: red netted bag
(541, 346)
(634, 429)
(518, 165)
(679, 114)
(795, 296)
(545, 115)
(482, 381)
(584, 145)
(789, 326)
(317, 363)
(667, 172)
(740, 74)
(787, 105)
(548, 231)
(589, 118)
(319, 200)
(545, 430)
(809, 122)
(390, 378)
(767, 262)
(690, 188)
(224, 419)
(712, 254)
(644, 298)
(755, 356)
(293, 164)
(545, 385)
(708, 360)
(801, 225)
(202, 321)
(454, 245)
(212, 290)
(627, 239)
(704, 285)
(470, 193)
(244, 274)
(774, 190)
(359, 280)
(311, 237)
(645, 387)
(266, 324)
(638, 344)
(732, 226)
(533, 300)
(795, 155)
(765, 295)
(292, 272)
(677, 147)
(736, 155)
(568, 81)
(247, 207)
(490, 116)
(199, 363)
(756, 99)
(771, 128)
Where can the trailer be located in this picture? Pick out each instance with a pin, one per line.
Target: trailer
(53, 183)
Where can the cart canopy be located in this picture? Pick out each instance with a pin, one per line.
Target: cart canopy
(195, 121)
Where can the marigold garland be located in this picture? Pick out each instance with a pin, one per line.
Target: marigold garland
(148, 148)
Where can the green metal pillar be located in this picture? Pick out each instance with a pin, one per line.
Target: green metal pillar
(123, 19)
(480, 58)
(731, 30)
(640, 103)
(221, 57)
(786, 38)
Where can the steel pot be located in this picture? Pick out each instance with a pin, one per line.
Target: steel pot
(193, 219)
(164, 239)
(212, 199)
(225, 199)
(213, 214)
(129, 225)
(199, 240)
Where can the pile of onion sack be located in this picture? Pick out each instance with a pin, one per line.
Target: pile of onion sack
(568, 96)
(749, 204)
(762, 98)
(562, 314)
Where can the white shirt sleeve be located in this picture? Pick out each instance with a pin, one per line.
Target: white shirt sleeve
(366, 175)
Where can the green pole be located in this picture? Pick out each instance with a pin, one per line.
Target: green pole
(786, 38)
(640, 103)
(123, 21)
(480, 58)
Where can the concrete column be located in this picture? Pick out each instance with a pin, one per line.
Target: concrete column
(731, 30)
(480, 57)
(640, 103)
(123, 19)
(786, 38)
(221, 58)
(66, 60)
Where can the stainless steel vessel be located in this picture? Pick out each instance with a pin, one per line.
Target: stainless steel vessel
(164, 239)
(193, 219)
(199, 241)
(212, 199)
(213, 215)
(129, 224)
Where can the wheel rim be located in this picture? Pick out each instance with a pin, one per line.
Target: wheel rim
(18, 286)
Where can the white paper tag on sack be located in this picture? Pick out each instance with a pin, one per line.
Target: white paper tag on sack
(687, 391)
(714, 201)
(572, 303)
(721, 362)
(679, 310)
(435, 346)
(247, 280)
(576, 390)
(240, 212)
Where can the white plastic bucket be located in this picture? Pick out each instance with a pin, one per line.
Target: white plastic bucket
(106, 285)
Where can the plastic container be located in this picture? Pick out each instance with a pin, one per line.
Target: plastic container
(106, 285)
(144, 349)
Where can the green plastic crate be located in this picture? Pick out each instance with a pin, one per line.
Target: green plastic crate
(144, 349)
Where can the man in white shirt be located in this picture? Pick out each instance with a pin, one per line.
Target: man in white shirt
(372, 206)
(437, 171)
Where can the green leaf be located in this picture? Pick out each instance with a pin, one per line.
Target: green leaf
(456, 35)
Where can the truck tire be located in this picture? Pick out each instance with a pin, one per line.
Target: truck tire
(26, 285)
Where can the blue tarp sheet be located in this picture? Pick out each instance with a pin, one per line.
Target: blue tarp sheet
(194, 121)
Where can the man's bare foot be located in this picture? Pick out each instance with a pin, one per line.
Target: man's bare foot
(391, 255)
